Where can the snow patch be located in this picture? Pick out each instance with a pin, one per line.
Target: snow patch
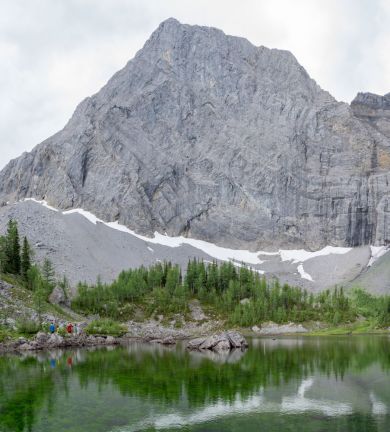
(303, 274)
(376, 253)
(238, 256)
(151, 250)
(88, 215)
(218, 252)
(237, 264)
(301, 255)
(42, 202)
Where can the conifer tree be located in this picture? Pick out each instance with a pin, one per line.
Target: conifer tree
(25, 258)
(48, 276)
(12, 249)
(64, 285)
(3, 255)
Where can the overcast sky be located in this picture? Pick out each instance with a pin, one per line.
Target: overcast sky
(53, 53)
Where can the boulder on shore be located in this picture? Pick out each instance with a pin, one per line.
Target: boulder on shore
(220, 342)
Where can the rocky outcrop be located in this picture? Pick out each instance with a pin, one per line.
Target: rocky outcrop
(271, 328)
(373, 109)
(149, 331)
(208, 136)
(219, 342)
(46, 341)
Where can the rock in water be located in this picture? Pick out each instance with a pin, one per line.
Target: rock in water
(194, 344)
(212, 341)
(201, 129)
(219, 342)
(236, 339)
(222, 345)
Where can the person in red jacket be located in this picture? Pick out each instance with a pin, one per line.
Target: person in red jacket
(69, 328)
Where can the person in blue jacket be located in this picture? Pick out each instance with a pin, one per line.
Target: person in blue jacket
(52, 328)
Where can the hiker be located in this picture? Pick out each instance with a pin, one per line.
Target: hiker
(76, 329)
(69, 328)
(52, 328)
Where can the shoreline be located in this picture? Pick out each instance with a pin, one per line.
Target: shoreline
(43, 341)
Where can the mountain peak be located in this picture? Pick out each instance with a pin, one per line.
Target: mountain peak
(170, 22)
(208, 136)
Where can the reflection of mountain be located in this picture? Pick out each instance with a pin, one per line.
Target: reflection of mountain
(151, 387)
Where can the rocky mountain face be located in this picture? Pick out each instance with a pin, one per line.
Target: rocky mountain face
(208, 136)
(373, 109)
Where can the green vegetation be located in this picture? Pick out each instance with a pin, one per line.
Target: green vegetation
(31, 285)
(240, 295)
(376, 309)
(105, 327)
(28, 327)
(16, 261)
(11, 260)
(5, 334)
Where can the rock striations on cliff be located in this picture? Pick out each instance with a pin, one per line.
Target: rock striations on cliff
(205, 135)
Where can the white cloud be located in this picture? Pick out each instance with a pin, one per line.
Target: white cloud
(55, 53)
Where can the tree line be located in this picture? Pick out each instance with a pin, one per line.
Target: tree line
(240, 294)
(16, 260)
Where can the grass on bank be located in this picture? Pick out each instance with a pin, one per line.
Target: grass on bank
(358, 327)
(105, 327)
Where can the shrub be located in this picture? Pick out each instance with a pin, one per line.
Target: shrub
(27, 326)
(4, 334)
(105, 327)
(62, 331)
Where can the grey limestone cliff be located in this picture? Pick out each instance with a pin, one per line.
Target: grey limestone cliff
(205, 135)
(373, 109)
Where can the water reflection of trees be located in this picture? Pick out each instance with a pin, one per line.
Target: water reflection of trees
(27, 385)
(24, 388)
(170, 376)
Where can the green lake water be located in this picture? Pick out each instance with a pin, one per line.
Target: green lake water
(287, 384)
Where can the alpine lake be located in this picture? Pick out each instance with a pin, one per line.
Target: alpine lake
(335, 383)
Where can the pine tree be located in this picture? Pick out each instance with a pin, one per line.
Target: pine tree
(26, 258)
(48, 276)
(12, 249)
(64, 285)
(3, 255)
